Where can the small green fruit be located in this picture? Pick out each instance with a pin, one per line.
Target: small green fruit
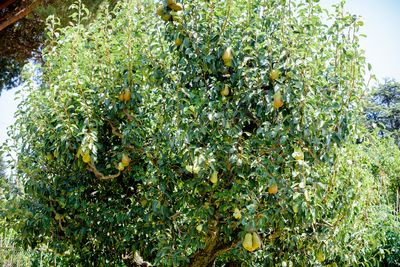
(86, 157)
(320, 256)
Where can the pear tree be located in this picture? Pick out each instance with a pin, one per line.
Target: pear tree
(193, 133)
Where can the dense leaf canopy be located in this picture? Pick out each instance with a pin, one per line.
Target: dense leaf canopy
(179, 134)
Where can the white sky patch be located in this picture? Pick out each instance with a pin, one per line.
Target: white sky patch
(8, 106)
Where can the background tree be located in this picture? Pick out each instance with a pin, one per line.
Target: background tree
(192, 137)
(384, 107)
(383, 110)
(22, 27)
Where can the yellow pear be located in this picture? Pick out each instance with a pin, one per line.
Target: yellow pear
(176, 6)
(86, 157)
(214, 177)
(278, 100)
(225, 91)
(127, 95)
(298, 154)
(120, 166)
(274, 75)
(273, 189)
(256, 241)
(248, 242)
(125, 160)
(121, 96)
(227, 57)
(295, 209)
(178, 41)
(320, 256)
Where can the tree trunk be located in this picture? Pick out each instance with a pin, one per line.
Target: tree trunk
(206, 257)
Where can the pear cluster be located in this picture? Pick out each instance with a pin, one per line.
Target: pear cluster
(251, 242)
(124, 162)
(164, 11)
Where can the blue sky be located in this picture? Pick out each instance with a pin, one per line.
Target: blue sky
(382, 46)
(382, 27)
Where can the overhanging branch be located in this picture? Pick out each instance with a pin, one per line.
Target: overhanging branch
(11, 19)
(6, 4)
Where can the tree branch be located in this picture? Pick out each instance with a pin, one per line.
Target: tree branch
(99, 175)
(19, 15)
(6, 4)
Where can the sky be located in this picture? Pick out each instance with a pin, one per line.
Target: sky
(382, 27)
(8, 106)
(382, 47)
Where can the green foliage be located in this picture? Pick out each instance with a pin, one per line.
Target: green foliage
(61, 9)
(122, 87)
(9, 74)
(21, 41)
(10, 255)
(393, 246)
(384, 107)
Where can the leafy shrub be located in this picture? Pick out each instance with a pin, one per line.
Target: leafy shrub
(393, 246)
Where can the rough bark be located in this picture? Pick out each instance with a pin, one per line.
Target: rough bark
(214, 248)
(206, 257)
